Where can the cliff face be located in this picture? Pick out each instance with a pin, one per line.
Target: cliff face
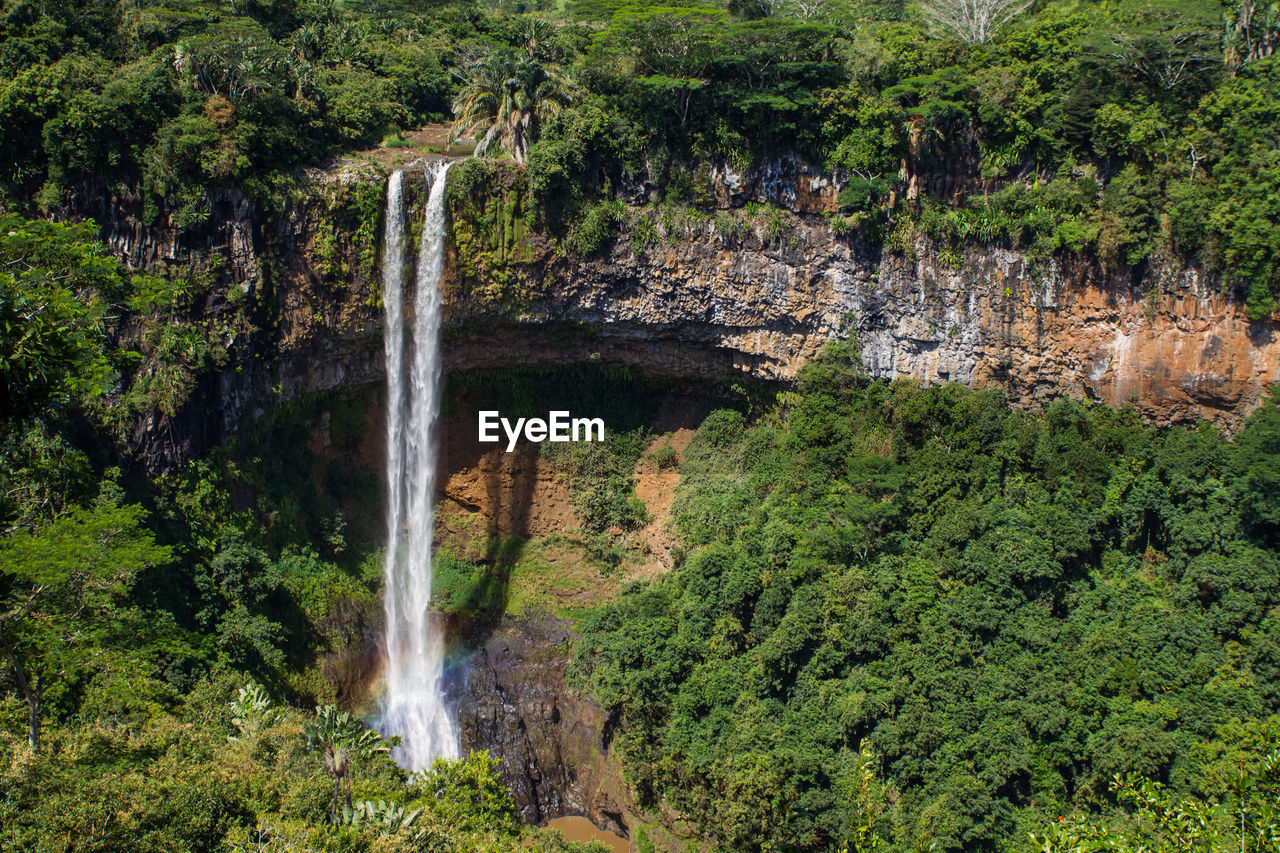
(746, 292)
(1172, 345)
(552, 743)
(713, 306)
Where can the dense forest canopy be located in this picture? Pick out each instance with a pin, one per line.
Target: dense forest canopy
(1009, 610)
(1126, 129)
(901, 618)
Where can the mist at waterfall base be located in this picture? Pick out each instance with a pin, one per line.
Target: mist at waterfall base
(415, 707)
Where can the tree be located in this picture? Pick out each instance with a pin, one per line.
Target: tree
(1164, 43)
(64, 597)
(508, 98)
(52, 280)
(241, 589)
(972, 21)
(340, 738)
(1160, 820)
(1251, 33)
(675, 47)
(233, 60)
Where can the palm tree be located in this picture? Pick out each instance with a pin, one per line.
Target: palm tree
(339, 738)
(508, 98)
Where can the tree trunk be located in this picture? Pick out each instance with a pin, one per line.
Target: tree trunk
(32, 693)
(33, 717)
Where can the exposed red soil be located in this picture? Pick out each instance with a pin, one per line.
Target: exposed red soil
(516, 493)
(656, 486)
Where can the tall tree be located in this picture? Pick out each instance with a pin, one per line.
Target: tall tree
(64, 598)
(508, 98)
(673, 48)
(972, 21)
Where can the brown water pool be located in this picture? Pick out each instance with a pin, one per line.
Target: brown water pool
(581, 829)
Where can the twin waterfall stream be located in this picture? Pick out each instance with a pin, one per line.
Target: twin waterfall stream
(414, 707)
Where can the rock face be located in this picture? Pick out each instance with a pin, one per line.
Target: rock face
(752, 292)
(1172, 346)
(709, 306)
(513, 700)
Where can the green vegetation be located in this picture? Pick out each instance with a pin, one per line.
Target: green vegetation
(1158, 820)
(1136, 131)
(53, 287)
(560, 574)
(68, 588)
(180, 99)
(901, 618)
(601, 478)
(221, 769)
(1009, 608)
(505, 99)
(153, 627)
(490, 229)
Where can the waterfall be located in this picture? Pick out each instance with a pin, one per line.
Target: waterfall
(415, 708)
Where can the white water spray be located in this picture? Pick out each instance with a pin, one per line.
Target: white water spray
(415, 706)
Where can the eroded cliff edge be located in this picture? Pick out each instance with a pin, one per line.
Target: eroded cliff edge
(747, 292)
(1173, 346)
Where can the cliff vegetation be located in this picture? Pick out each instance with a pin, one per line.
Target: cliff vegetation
(877, 616)
(1128, 130)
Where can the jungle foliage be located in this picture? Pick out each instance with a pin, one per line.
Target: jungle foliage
(224, 768)
(1009, 608)
(1137, 130)
(903, 619)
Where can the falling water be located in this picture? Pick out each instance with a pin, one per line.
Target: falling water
(415, 706)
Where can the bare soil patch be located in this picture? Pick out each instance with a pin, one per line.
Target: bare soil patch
(656, 486)
(415, 144)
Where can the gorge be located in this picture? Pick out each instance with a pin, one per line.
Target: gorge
(570, 426)
(705, 302)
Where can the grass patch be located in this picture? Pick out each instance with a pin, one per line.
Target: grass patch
(558, 574)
